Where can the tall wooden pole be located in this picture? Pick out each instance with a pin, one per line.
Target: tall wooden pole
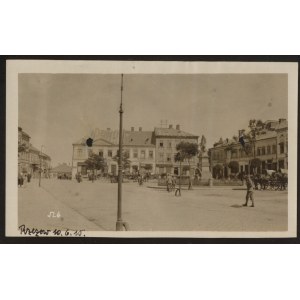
(120, 224)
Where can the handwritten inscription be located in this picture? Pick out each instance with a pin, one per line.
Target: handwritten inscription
(51, 232)
(52, 214)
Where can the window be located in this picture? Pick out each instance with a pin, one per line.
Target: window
(161, 144)
(161, 156)
(258, 151)
(168, 157)
(79, 152)
(263, 150)
(151, 154)
(101, 153)
(268, 149)
(170, 145)
(273, 149)
(281, 148)
(135, 153)
(90, 152)
(143, 154)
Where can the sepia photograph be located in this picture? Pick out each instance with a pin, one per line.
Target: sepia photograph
(151, 149)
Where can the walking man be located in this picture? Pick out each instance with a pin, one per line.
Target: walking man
(250, 192)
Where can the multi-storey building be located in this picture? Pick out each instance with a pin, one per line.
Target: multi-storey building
(166, 141)
(270, 146)
(30, 159)
(152, 151)
(139, 146)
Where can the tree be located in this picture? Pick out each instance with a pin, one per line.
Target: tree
(148, 167)
(255, 163)
(234, 166)
(95, 162)
(218, 170)
(187, 151)
(125, 159)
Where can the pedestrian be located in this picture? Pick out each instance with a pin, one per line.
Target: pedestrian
(190, 183)
(250, 192)
(19, 180)
(169, 182)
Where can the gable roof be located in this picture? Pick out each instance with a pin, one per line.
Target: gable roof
(111, 138)
(138, 138)
(172, 132)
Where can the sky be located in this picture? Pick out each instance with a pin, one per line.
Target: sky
(57, 110)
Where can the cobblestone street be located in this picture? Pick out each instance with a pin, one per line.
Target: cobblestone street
(93, 206)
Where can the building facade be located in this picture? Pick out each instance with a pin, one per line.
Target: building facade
(270, 147)
(166, 141)
(139, 146)
(30, 159)
(147, 151)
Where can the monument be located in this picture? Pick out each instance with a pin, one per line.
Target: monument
(206, 176)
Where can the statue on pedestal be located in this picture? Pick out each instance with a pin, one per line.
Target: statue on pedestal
(204, 162)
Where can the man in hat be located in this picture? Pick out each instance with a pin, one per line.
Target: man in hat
(250, 187)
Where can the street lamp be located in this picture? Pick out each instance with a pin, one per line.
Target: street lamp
(120, 223)
(41, 165)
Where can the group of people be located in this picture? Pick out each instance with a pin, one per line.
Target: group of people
(276, 181)
(23, 178)
(172, 181)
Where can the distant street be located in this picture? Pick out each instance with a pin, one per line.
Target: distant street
(66, 204)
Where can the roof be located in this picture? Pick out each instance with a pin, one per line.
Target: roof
(172, 132)
(130, 138)
(267, 135)
(138, 138)
(33, 149)
(106, 137)
(63, 168)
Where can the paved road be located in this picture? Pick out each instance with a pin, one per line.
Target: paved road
(93, 206)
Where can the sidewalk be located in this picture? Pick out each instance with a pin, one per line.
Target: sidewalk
(40, 209)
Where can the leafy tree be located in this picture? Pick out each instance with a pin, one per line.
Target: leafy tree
(218, 170)
(255, 162)
(148, 167)
(234, 166)
(186, 150)
(125, 159)
(95, 162)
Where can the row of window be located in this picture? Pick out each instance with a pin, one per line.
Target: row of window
(265, 150)
(30, 156)
(135, 153)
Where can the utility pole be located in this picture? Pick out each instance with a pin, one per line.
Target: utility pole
(120, 223)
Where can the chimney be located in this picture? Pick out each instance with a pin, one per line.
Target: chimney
(170, 126)
(178, 127)
(108, 129)
(140, 128)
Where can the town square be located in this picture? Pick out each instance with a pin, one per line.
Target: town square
(92, 206)
(132, 161)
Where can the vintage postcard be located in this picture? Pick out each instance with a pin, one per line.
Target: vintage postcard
(151, 149)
